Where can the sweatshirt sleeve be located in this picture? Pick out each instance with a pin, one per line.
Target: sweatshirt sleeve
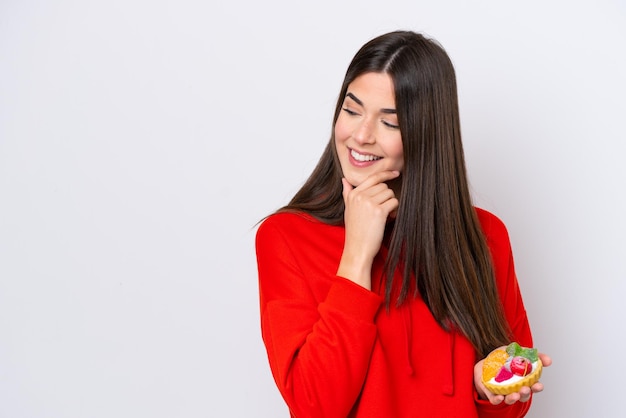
(511, 297)
(318, 350)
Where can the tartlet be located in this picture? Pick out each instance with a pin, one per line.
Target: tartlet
(508, 370)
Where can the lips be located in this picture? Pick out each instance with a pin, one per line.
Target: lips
(363, 158)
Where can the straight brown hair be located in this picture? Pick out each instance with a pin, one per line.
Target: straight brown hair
(436, 240)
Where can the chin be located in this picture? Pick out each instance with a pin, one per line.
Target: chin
(355, 182)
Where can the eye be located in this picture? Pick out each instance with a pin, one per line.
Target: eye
(390, 125)
(349, 111)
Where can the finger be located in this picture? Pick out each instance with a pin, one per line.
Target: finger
(491, 397)
(390, 205)
(347, 188)
(537, 387)
(525, 393)
(546, 360)
(379, 193)
(512, 398)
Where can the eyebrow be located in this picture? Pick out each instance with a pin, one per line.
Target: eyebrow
(360, 103)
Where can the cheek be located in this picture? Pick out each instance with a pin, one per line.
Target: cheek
(342, 131)
(396, 152)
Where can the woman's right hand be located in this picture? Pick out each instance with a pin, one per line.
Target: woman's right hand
(367, 208)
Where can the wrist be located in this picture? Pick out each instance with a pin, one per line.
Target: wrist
(357, 270)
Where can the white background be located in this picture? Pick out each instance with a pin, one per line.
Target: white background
(141, 141)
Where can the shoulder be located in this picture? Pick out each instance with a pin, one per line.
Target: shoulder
(301, 237)
(286, 222)
(494, 229)
(295, 227)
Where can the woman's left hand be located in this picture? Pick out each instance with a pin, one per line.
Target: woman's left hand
(522, 396)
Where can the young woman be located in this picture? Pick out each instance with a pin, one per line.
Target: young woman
(381, 286)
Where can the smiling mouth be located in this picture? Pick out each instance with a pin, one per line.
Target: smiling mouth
(363, 157)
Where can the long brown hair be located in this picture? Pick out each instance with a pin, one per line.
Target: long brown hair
(436, 239)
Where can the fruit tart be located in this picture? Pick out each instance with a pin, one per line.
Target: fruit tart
(508, 370)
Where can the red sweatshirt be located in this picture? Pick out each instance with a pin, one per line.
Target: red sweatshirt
(335, 350)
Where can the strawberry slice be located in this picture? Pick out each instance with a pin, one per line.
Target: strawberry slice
(503, 375)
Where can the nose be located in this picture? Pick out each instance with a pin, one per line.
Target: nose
(364, 133)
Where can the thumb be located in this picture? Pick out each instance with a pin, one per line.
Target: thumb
(347, 188)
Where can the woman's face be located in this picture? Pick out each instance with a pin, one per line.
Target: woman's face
(367, 135)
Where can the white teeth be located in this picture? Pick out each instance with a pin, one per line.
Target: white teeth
(363, 158)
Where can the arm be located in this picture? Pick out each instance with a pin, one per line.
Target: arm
(318, 350)
(514, 405)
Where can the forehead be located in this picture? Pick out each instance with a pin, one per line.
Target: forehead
(374, 87)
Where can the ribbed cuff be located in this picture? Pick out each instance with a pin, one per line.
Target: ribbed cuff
(353, 299)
